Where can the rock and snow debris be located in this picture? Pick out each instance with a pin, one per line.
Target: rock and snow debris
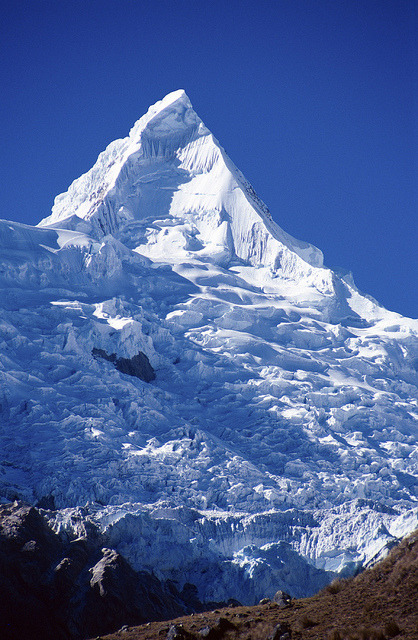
(283, 411)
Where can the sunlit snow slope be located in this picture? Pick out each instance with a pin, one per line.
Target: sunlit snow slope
(277, 442)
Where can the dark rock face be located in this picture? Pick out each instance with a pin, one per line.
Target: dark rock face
(55, 589)
(282, 599)
(281, 632)
(217, 629)
(176, 632)
(28, 548)
(138, 366)
(118, 595)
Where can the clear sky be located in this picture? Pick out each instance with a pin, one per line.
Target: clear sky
(314, 100)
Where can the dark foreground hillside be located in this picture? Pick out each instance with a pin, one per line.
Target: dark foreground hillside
(378, 604)
(60, 588)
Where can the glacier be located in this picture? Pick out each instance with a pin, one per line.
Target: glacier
(276, 445)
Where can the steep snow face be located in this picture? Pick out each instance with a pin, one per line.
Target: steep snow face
(276, 444)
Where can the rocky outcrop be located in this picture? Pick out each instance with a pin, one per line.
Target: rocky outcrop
(118, 595)
(282, 599)
(138, 366)
(28, 550)
(280, 632)
(69, 589)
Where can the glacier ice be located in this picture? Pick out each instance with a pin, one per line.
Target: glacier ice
(276, 446)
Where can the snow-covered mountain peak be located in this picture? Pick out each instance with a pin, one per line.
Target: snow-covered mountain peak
(172, 115)
(179, 96)
(172, 170)
(236, 415)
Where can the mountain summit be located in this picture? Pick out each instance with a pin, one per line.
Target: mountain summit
(171, 169)
(186, 380)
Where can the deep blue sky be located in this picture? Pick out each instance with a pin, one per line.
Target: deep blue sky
(314, 100)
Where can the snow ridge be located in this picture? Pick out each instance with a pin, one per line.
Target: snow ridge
(276, 445)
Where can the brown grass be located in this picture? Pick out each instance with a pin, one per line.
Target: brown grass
(392, 628)
(306, 622)
(336, 586)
